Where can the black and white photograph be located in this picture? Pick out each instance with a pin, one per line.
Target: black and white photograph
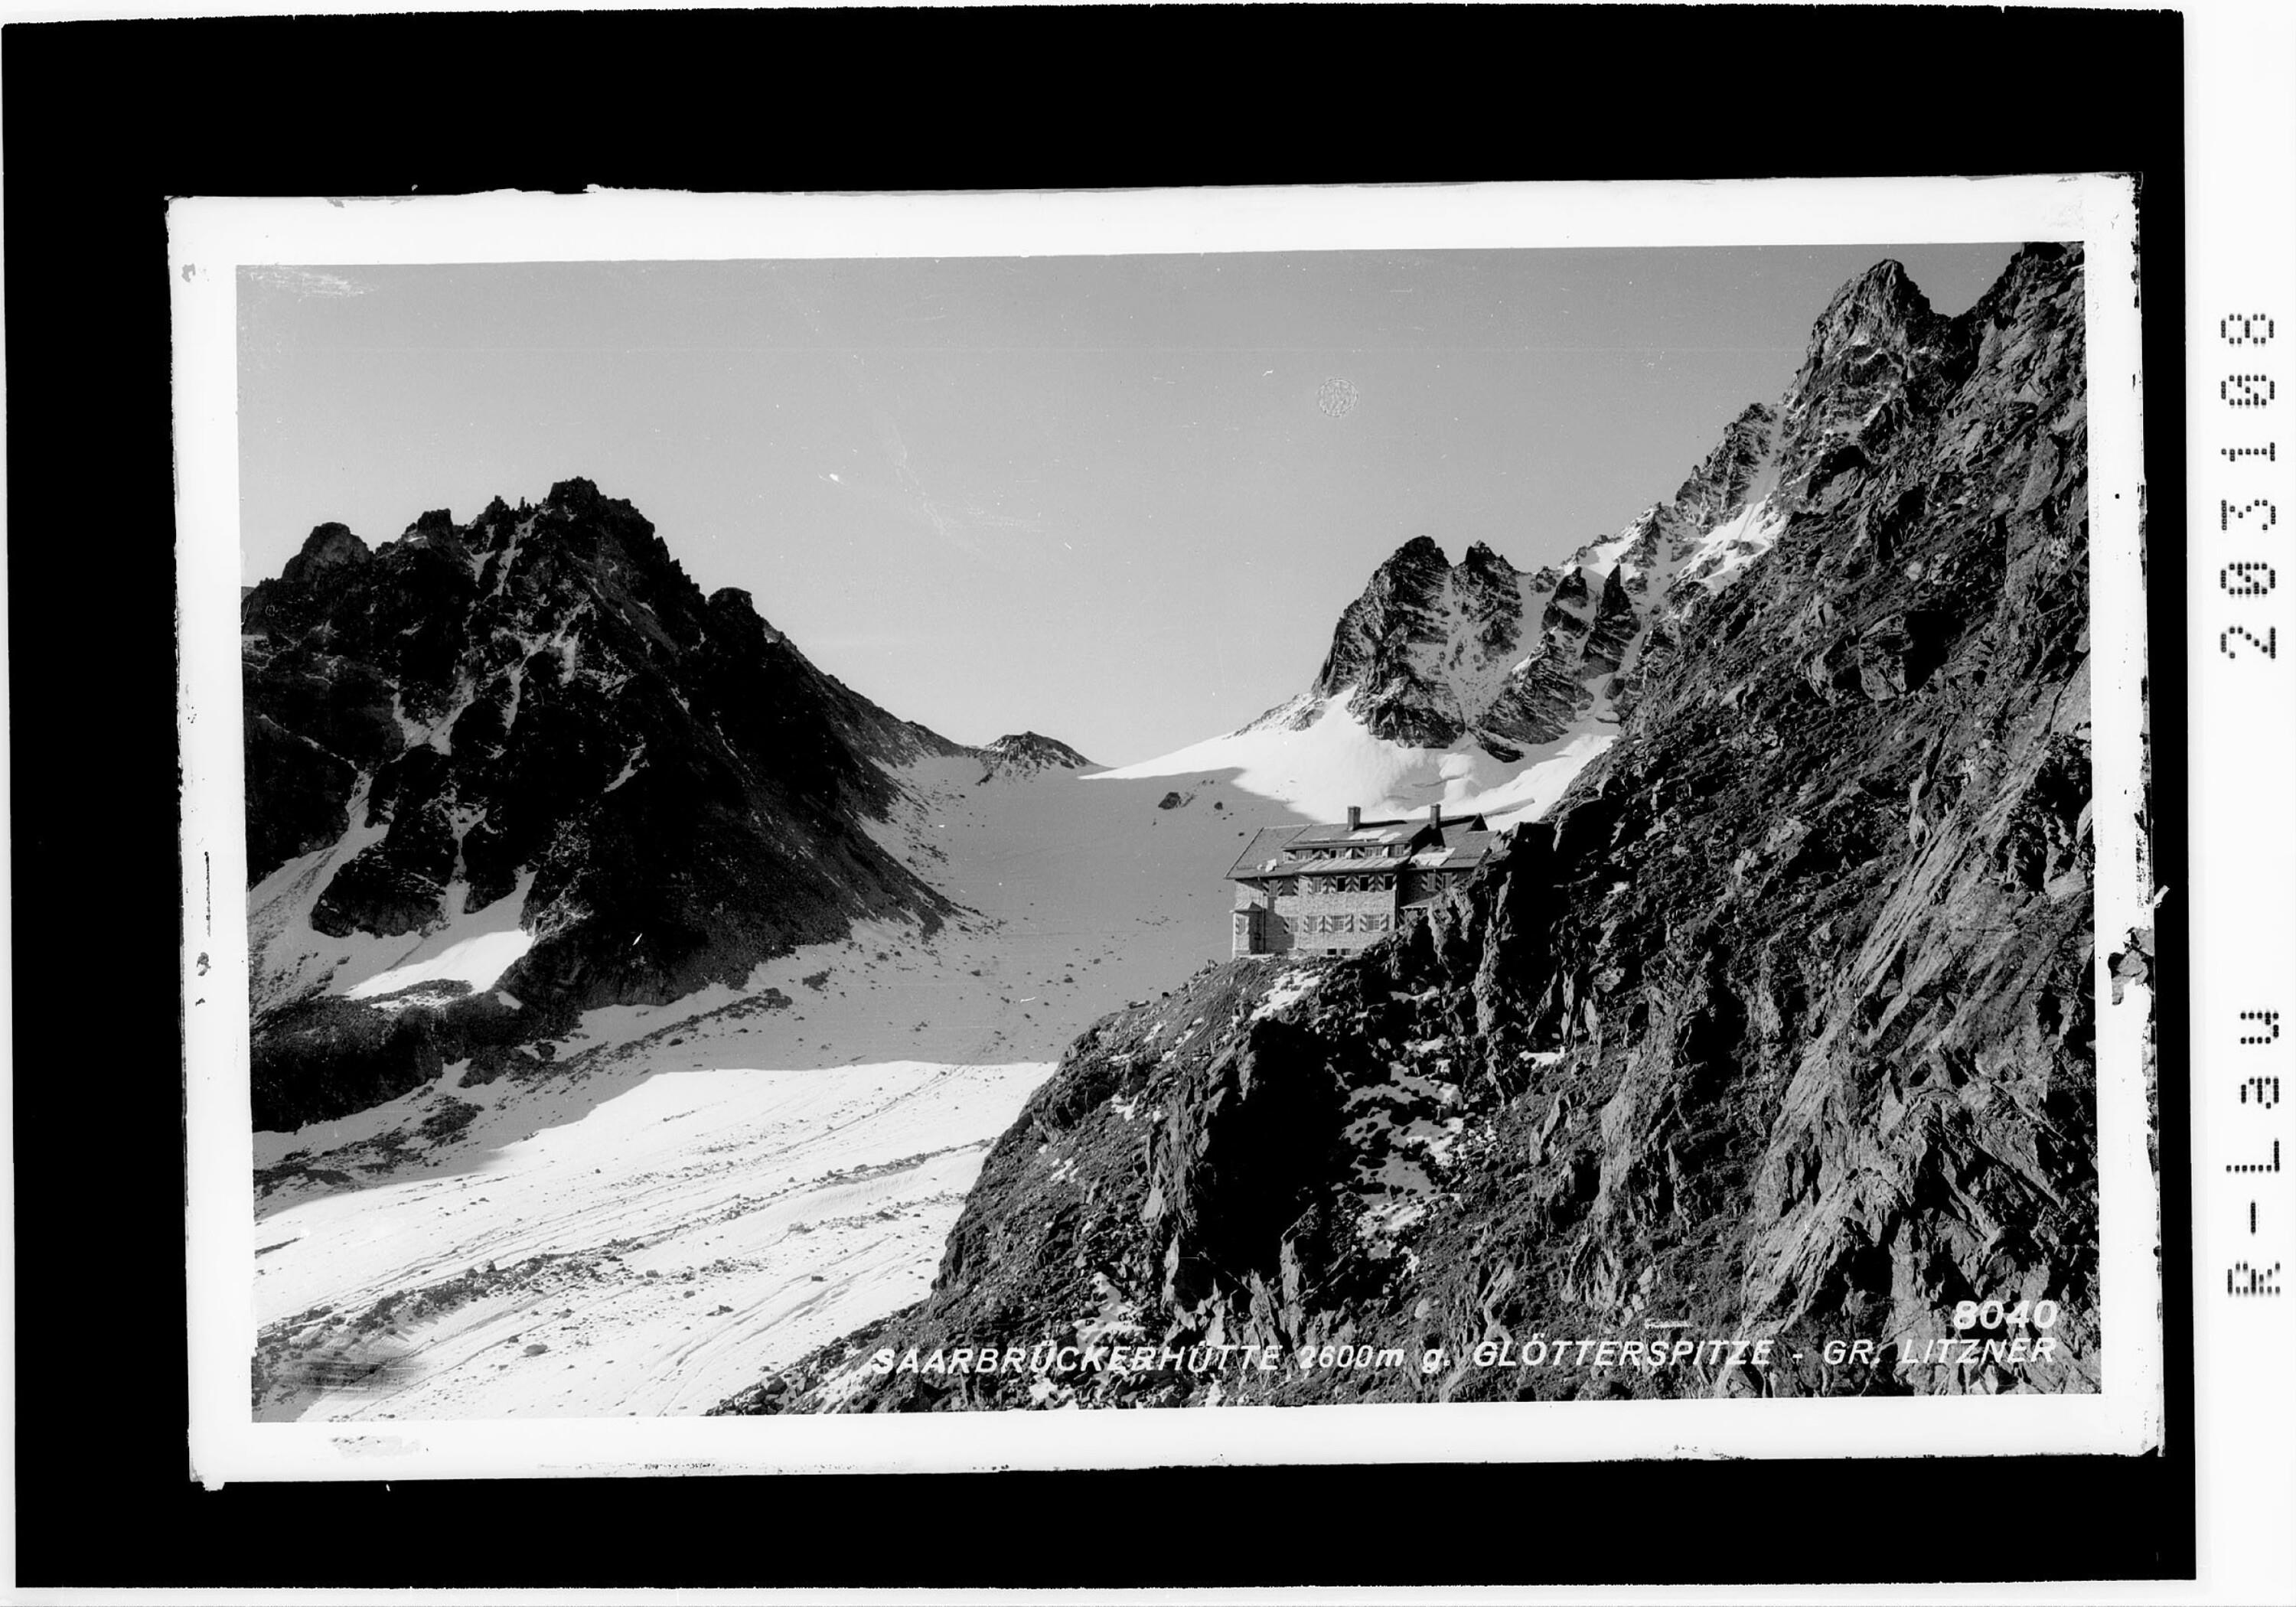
(1000, 833)
(992, 800)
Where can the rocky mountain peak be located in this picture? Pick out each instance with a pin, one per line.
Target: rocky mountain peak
(1422, 643)
(1885, 289)
(1410, 576)
(1878, 356)
(544, 700)
(1514, 659)
(1723, 480)
(579, 496)
(1484, 565)
(1431, 653)
(1395, 604)
(1028, 753)
(329, 547)
(736, 610)
(1882, 307)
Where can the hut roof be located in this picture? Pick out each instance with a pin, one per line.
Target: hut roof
(1302, 850)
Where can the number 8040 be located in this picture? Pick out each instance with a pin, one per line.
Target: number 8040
(1995, 1314)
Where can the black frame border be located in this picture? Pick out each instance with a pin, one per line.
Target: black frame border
(104, 121)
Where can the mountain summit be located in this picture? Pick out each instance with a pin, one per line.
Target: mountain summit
(535, 727)
(1426, 646)
(1486, 688)
(1510, 658)
(1026, 753)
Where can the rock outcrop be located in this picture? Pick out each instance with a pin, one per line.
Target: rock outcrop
(1424, 644)
(1780, 1026)
(1020, 754)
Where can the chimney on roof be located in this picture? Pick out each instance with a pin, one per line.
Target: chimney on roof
(1435, 816)
(1355, 816)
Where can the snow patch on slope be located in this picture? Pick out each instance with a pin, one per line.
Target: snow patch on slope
(1334, 761)
(1533, 789)
(475, 961)
(1316, 756)
(1722, 555)
(1319, 769)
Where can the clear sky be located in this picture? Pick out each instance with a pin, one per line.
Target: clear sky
(1095, 497)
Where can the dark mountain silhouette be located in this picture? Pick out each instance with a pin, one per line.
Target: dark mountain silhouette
(544, 692)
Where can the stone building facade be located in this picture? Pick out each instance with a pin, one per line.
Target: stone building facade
(1331, 888)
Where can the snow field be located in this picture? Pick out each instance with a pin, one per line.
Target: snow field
(652, 1257)
(664, 1219)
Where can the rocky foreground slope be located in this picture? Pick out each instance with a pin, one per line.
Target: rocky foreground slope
(1779, 1026)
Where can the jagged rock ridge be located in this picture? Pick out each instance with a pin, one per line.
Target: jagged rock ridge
(1781, 1025)
(1432, 654)
(1425, 643)
(543, 694)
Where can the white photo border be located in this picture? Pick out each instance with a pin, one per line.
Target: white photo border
(209, 240)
